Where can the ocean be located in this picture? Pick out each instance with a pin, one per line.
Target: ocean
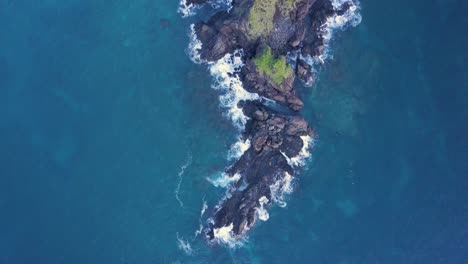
(110, 134)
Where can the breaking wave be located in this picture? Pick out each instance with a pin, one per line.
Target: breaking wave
(300, 159)
(351, 17)
(186, 9)
(225, 235)
(223, 180)
(304, 154)
(281, 187)
(189, 9)
(195, 46)
(238, 149)
(225, 71)
(226, 79)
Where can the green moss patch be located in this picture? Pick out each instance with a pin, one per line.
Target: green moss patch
(287, 6)
(262, 13)
(276, 68)
(261, 17)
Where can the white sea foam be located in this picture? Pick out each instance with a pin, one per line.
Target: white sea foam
(281, 187)
(262, 213)
(225, 71)
(351, 17)
(225, 235)
(301, 158)
(226, 74)
(195, 45)
(184, 245)
(226, 4)
(181, 178)
(238, 149)
(304, 154)
(186, 9)
(223, 180)
(189, 9)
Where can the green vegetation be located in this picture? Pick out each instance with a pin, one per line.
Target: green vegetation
(287, 6)
(262, 13)
(276, 68)
(261, 17)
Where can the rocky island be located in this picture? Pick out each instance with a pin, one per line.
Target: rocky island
(259, 49)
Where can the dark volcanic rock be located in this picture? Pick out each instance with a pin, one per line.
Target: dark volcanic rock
(274, 137)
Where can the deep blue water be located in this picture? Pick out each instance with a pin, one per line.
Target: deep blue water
(100, 107)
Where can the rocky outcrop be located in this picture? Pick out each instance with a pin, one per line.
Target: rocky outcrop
(275, 138)
(278, 39)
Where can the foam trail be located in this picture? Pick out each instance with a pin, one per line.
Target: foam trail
(180, 175)
(225, 71)
(202, 212)
(184, 245)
